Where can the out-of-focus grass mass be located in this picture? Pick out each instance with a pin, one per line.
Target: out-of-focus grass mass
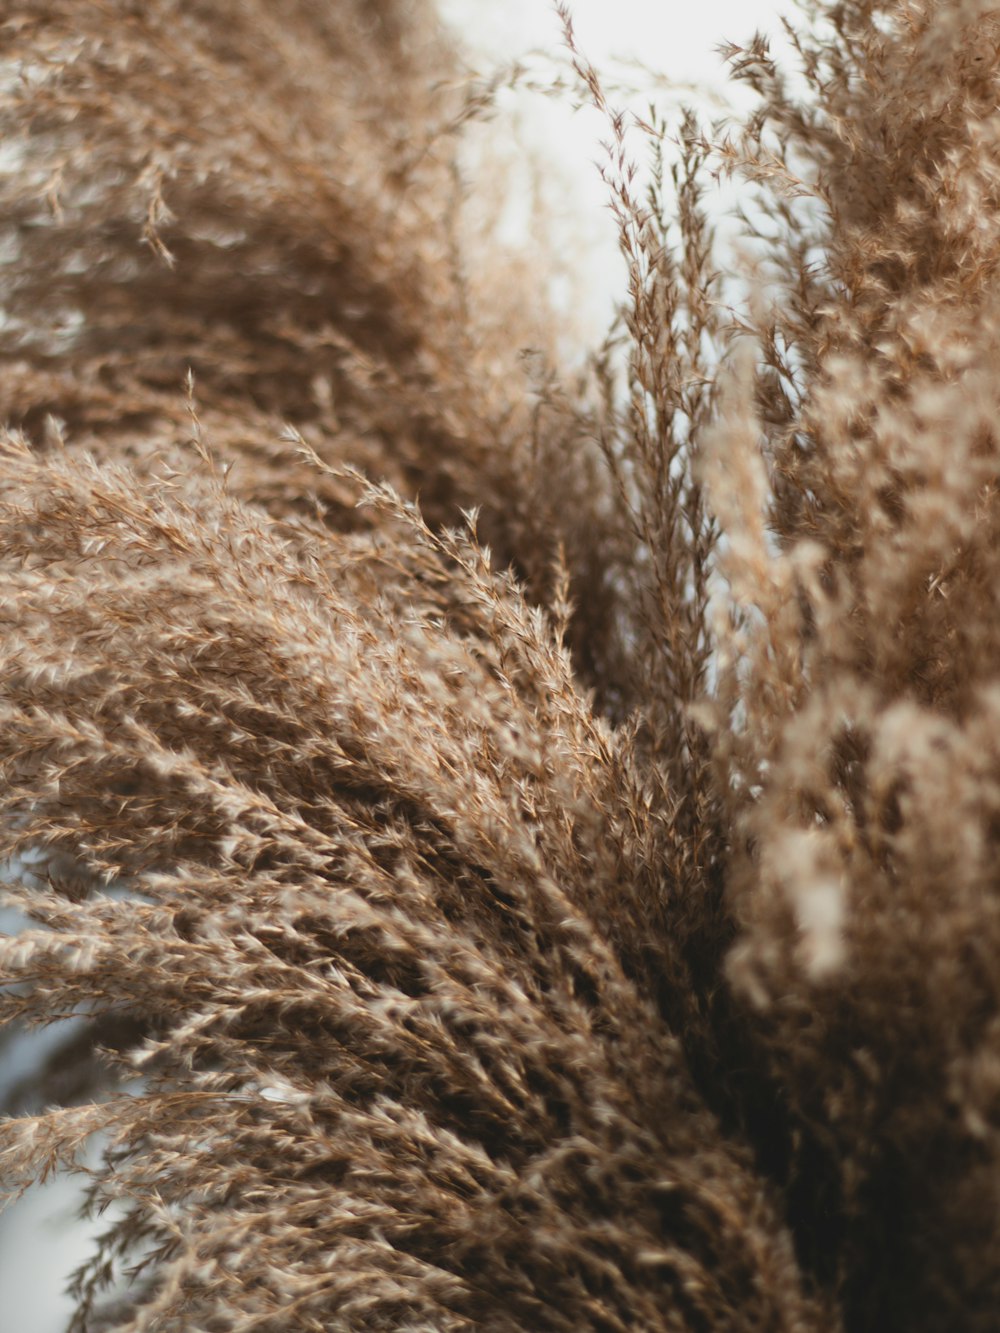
(499, 785)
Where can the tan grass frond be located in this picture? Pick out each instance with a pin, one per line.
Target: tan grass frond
(510, 849)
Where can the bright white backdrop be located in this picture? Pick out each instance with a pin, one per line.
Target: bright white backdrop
(664, 50)
(675, 37)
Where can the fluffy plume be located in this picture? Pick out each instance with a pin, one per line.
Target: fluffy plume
(518, 852)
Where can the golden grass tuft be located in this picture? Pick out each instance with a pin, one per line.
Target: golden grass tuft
(520, 849)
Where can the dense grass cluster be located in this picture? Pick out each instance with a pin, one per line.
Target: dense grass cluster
(519, 849)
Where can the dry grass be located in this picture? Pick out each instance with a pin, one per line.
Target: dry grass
(580, 916)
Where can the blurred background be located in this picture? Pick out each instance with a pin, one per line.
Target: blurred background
(659, 50)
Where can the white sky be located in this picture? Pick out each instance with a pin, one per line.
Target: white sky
(676, 46)
(671, 36)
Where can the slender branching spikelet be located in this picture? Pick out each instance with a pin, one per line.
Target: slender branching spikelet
(517, 853)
